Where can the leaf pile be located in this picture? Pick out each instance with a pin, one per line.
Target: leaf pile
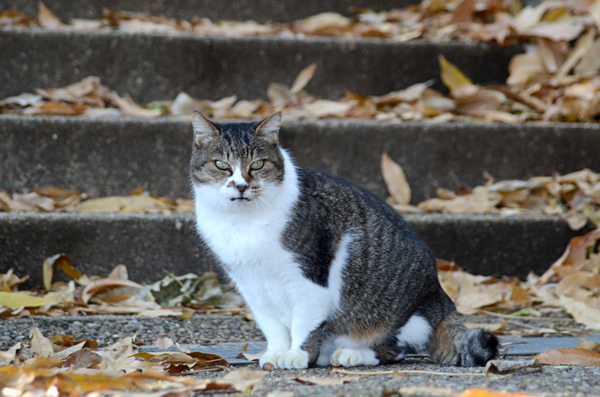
(501, 21)
(62, 366)
(87, 97)
(116, 294)
(571, 284)
(53, 199)
(555, 80)
(575, 196)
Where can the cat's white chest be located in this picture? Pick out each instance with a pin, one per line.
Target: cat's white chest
(266, 273)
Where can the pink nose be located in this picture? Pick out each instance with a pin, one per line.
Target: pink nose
(242, 188)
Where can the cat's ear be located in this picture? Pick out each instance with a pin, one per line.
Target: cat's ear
(269, 128)
(204, 129)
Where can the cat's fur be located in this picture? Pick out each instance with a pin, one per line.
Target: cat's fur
(332, 274)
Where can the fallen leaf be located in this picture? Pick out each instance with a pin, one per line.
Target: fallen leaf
(503, 367)
(452, 77)
(40, 345)
(569, 356)
(84, 358)
(47, 19)
(15, 300)
(303, 78)
(589, 345)
(103, 285)
(581, 312)
(164, 343)
(254, 357)
(43, 362)
(395, 180)
(243, 380)
(492, 393)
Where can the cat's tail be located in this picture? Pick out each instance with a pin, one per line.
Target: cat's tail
(452, 343)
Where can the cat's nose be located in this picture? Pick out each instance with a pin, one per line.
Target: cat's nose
(242, 188)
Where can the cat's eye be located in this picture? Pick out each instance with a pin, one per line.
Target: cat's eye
(222, 165)
(257, 165)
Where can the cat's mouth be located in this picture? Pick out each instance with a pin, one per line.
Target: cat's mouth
(239, 198)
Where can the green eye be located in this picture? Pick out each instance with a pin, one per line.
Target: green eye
(222, 165)
(257, 165)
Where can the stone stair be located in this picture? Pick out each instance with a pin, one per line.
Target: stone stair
(113, 156)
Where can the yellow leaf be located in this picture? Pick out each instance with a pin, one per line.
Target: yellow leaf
(491, 393)
(452, 77)
(43, 362)
(395, 180)
(63, 261)
(15, 300)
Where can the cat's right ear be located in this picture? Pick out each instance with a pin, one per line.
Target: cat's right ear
(204, 129)
(269, 128)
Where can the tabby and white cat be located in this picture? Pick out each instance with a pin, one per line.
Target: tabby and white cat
(332, 274)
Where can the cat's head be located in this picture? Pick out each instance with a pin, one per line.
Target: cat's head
(236, 165)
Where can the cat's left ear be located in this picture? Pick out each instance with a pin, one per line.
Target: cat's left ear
(204, 129)
(269, 128)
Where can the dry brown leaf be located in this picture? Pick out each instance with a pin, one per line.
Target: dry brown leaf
(47, 19)
(164, 343)
(84, 358)
(43, 362)
(40, 345)
(254, 357)
(589, 345)
(582, 312)
(303, 78)
(63, 262)
(583, 45)
(102, 285)
(243, 380)
(503, 367)
(395, 180)
(569, 356)
(325, 108)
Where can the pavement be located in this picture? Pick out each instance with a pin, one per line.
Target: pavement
(414, 376)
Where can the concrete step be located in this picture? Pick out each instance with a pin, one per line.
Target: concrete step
(147, 244)
(114, 156)
(159, 66)
(258, 10)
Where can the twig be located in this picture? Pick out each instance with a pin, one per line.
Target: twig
(197, 371)
(367, 373)
(492, 314)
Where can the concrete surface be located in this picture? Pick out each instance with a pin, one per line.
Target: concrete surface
(112, 157)
(147, 244)
(516, 346)
(258, 10)
(158, 67)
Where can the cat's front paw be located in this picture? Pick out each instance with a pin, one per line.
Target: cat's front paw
(271, 356)
(293, 359)
(348, 357)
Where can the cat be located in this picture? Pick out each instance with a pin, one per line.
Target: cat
(332, 274)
